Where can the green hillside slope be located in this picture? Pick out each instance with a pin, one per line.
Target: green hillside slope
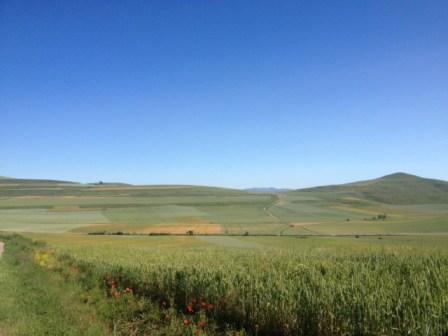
(397, 203)
(398, 188)
(9, 180)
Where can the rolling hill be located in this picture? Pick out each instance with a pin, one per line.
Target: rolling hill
(397, 188)
(20, 181)
(412, 204)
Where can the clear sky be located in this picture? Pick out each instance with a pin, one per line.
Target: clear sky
(227, 93)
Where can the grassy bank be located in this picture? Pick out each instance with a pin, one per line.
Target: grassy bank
(34, 301)
(46, 293)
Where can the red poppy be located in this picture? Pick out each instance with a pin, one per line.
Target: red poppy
(186, 322)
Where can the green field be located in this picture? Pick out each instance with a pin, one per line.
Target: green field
(368, 258)
(267, 285)
(56, 206)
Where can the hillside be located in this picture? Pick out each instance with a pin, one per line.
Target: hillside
(35, 187)
(398, 188)
(19, 181)
(59, 206)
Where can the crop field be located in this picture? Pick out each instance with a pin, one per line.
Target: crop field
(188, 260)
(272, 285)
(46, 206)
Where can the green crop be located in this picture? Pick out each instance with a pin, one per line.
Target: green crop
(272, 291)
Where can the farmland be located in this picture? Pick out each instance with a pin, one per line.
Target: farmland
(269, 285)
(368, 258)
(57, 206)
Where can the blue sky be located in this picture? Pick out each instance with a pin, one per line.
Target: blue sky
(226, 93)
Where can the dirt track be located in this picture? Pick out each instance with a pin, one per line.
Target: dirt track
(1, 250)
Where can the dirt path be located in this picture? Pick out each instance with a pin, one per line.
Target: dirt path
(278, 202)
(270, 214)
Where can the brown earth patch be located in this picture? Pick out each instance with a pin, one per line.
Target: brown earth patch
(282, 200)
(297, 224)
(192, 221)
(196, 225)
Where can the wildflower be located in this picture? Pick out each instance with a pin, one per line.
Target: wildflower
(186, 322)
(189, 308)
(201, 324)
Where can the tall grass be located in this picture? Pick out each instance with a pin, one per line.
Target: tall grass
(274, 292)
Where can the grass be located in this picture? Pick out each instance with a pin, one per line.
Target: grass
(398, 188)
(46, 206)
(273, 285)
(36, 302)
(223, 285)
(42, 220)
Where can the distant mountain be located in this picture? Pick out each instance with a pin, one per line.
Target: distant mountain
(398, 188)
(266, 190)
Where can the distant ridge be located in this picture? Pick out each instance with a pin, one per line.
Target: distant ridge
(397, 188)
(11, 180)
(266, 190)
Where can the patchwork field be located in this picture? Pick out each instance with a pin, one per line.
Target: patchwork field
(47, 206)
(368, 258)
